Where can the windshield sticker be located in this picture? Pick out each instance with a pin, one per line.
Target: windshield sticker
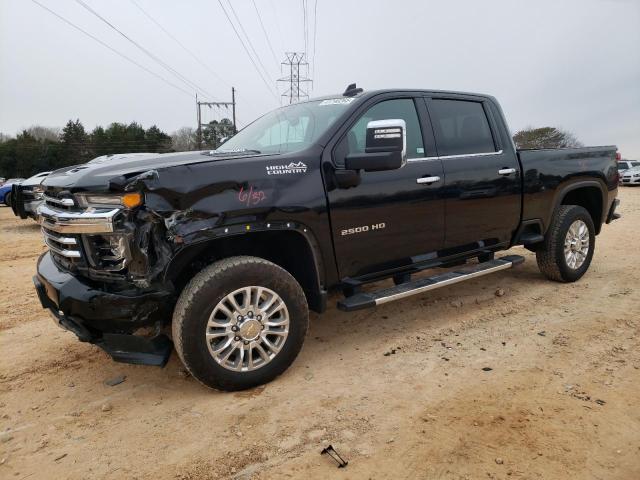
(336, 101)
(293, 167)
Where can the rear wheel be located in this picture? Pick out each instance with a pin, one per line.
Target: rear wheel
(240, 323)
(7, 199)
(567, 250)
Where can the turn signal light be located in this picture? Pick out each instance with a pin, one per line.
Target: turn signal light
(131, 200)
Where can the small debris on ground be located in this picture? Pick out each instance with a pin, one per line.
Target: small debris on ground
(106, 407)
(499, 292)
(486, 369)
(600, 402)
(112, 382)
(59, 457)
(542, 333)
(499, 461)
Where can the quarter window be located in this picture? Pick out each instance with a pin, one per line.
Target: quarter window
(461, 127)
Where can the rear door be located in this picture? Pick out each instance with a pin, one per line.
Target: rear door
(391, 219)
(482, 179)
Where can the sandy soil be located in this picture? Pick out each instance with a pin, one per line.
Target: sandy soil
(400, 391)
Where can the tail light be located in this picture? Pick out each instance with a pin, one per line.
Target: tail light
(618, 156)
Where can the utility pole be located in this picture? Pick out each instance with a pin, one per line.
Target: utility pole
(293, 63)
(231, 104)
(199, 124)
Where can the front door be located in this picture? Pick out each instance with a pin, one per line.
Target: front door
(392, 218)
(482, 180)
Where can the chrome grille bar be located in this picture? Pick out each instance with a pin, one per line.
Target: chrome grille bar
(86, 221)
(62, 251)
(67, 202)
(62, 240)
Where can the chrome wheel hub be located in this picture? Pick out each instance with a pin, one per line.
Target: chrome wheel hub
(576, 244)
(247, 328)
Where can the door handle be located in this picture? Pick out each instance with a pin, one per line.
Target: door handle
(506, 171)
(427, 180)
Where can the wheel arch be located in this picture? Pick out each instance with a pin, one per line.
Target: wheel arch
(589, 194)
(292, 249)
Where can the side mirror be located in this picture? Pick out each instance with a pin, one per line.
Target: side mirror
(386, 147)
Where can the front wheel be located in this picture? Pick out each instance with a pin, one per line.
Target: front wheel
(567, 250)
(240, 323)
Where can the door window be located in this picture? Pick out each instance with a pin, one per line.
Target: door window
(461, 127)
(402, 108)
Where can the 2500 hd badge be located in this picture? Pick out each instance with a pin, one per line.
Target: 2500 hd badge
(363, 229)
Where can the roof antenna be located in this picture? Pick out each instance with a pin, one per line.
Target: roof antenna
(352, 91)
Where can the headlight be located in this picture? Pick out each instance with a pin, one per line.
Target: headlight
(636, 175)
(128, 200)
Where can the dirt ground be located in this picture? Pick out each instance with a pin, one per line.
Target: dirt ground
(402, 391)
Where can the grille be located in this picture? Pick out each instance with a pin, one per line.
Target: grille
(59, 199)
(64, 245)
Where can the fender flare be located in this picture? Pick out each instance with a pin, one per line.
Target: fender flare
(562, 192)
(248, 228)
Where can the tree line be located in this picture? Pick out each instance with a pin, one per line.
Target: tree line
(37, 148)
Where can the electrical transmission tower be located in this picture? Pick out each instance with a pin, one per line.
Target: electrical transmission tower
(297, 66)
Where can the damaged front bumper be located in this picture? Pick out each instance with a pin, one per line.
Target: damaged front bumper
(106, 319)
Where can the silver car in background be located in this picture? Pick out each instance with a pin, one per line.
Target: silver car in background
(624, 165)
(631, 176)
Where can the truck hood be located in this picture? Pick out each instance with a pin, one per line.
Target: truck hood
(96, 174)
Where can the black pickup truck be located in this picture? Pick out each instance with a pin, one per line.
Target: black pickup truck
(232, 247)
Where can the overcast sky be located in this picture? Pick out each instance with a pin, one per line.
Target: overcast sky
(572, 64)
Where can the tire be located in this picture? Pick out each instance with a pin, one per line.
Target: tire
(550, 255)
(205, 307)
(7, 199)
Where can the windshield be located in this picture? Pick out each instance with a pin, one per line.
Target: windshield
(287, 129)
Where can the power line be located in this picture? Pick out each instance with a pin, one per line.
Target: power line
(315, 32)
(193, 55)
(275, 18)
(145, 51)
(190, 52)
(275, 58)
(248, 39)
(305, 31)
(247, 50)
(112, 49)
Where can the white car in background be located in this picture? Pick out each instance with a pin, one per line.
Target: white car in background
(631, 176)
(624, 165)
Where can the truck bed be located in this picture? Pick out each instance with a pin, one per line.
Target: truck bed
(547, 172)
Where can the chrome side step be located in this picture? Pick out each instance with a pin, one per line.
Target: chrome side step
(362, 300)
